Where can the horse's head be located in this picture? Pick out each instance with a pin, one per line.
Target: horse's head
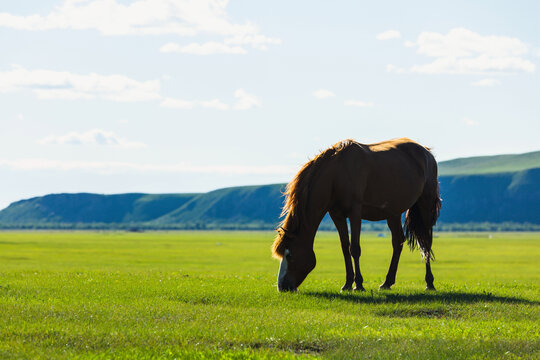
(296, 263)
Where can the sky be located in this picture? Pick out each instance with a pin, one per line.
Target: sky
(161, 96)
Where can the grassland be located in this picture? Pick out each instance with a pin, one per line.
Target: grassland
(197, 295)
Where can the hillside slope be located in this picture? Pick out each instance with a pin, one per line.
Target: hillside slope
(92, 208)
(491, 197)
(490, 164)
(244, 205)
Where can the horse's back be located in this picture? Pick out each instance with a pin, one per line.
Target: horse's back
(389, 175)
(396, 157)
(393, 148)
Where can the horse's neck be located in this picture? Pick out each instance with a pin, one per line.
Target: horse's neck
(318, 201)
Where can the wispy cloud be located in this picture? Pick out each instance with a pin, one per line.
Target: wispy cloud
(358, 103)
(179, 103)
(48, 84)
(463, 51)
(214, 104)
(209, 48)
(394, 69)
(470, 122)
(235, 45)
(63, 85)
(257, 41)
(91, 137)
(145, 17)
(486, 82)
(110, 167)
(323, 94)
(388, 35)
(244, 101)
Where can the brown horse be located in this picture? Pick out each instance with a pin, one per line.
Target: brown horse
(356, 181)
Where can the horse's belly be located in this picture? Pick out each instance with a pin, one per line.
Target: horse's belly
(385, 202)
(374, 214)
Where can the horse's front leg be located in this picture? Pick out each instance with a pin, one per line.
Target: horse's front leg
(343, 231)
(356, 227)
(398, 239)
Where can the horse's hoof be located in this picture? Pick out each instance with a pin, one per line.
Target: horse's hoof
(359, 288)
(430, 288)
(385, 287)
(346, 288)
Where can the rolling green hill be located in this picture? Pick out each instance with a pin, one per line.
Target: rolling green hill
(497, 198)
(245, 205)
(490, 164)
(92, 208)
(494, 189)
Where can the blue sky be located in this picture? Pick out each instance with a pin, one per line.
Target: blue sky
(161, 96)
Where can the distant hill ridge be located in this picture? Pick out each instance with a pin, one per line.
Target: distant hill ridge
(495, 189)
(490, 164)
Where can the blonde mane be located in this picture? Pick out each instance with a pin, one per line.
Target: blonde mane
(296, 193)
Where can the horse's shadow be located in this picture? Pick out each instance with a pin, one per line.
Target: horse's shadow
(448, 297)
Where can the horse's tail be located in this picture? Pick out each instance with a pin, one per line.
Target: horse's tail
(421, 218)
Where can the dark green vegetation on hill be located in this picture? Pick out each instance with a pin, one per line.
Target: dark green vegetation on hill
(93, 208)
(494, 198)
(246, 205)
(197, 295)
(490, 164)
(481, 193)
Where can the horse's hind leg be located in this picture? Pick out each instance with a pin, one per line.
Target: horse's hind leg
(429, 277)
(356, 226)
(398, 239)
(341, 226)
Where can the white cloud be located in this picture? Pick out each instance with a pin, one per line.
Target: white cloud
(144, 17)
(256, 40)
(323, 94)
(358, 103)
(388, 35)
(486, 82)
(108, 167)
(231, 45)
(178, 103)
(91, 137)
(209, 48)
(394, 69)
(409, 44)
(470, 122)
(215, 104)
(48, 84)
(477, 65)
(244, 101)
(462, 51)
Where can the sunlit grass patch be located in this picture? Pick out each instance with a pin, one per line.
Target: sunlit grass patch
(209, 295)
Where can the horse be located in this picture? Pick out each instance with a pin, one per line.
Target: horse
(357, 181)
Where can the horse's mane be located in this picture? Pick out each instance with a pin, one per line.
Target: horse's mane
(296, 193)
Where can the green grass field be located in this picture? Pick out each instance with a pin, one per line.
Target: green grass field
(199, 295)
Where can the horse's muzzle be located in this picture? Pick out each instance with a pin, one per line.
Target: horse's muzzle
(286, 285)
